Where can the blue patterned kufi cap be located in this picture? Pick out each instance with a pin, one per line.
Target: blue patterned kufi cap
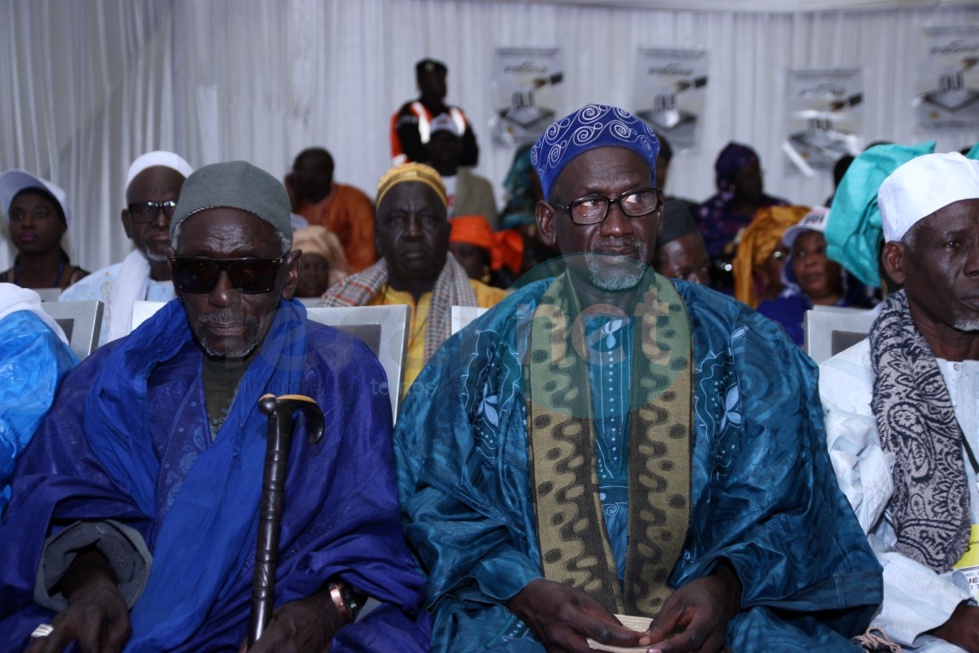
(590, 127)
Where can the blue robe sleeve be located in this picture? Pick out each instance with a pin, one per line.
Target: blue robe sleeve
(33, 361)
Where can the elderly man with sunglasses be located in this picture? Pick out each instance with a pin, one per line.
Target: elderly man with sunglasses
(609, 441)
(134, 512)
(153, 186)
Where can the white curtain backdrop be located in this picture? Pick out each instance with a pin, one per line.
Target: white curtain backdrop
(88, 86)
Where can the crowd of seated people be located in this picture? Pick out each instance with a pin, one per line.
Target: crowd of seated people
(632, 429)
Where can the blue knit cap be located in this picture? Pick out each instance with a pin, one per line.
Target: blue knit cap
(590, 127)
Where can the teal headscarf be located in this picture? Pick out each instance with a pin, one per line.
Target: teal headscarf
(853, 230)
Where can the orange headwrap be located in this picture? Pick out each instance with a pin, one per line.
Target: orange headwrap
(505, 247)
(758, 240)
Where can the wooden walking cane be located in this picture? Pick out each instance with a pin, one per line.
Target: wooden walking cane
(280, 411)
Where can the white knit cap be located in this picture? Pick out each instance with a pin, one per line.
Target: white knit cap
(13, 182)
(815, 220)
(158, 158)
(922, 186)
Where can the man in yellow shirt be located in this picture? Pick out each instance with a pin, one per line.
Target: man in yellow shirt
(411, 232)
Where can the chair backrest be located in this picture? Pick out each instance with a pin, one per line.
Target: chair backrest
(387, 326)
(48, 294)
(81, 322)
(384, 329)
(461, 316)
(831, 329)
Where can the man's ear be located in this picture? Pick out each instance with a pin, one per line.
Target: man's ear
(544, 213)
(893, 259)
(127, 223)
(292, 260)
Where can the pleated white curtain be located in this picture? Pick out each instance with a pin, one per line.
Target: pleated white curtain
(87, 86)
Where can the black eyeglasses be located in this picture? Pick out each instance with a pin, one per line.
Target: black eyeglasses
(252, 276)
(146, 212)
(594, 208)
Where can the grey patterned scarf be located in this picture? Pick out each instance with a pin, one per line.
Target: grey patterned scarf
(916, 421)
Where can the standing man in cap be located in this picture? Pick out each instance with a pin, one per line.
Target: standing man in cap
(901, 415)
(134, 511)
(610, 441)
(411, 125)
(153, 186)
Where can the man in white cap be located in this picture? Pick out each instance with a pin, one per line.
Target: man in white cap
(901, 420)
(468, 193)
(153, 186)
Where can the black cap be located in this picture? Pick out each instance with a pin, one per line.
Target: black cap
(426, 66)
(678, 221)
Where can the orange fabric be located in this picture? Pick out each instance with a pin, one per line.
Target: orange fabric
(472, 229)
(349, 214)
(505, 247)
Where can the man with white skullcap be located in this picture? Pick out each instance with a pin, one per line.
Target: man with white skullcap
(901, 408)
(609, 441)
(153, 186)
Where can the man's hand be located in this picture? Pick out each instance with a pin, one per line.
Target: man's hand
(962, 628)
(694, 618)
(303, 626)
(96, 615)
(563, 618)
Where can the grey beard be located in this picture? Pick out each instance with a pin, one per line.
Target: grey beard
(618, 277)
(242, 349)
(966, 323)
(155, 258)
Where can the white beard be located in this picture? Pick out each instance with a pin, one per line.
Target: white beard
(626, 273)
(967, 323)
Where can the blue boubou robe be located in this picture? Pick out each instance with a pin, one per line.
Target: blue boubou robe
(129, 439)
(763, 494)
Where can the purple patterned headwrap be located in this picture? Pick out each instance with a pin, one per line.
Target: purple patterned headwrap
(590, 127)
(732, 158)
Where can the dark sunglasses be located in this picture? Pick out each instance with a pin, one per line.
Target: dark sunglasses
(146, 212)
(252, 276)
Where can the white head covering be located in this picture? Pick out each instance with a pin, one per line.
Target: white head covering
(922, 186)
(13, 182)
(815, 220)
(158, 158)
